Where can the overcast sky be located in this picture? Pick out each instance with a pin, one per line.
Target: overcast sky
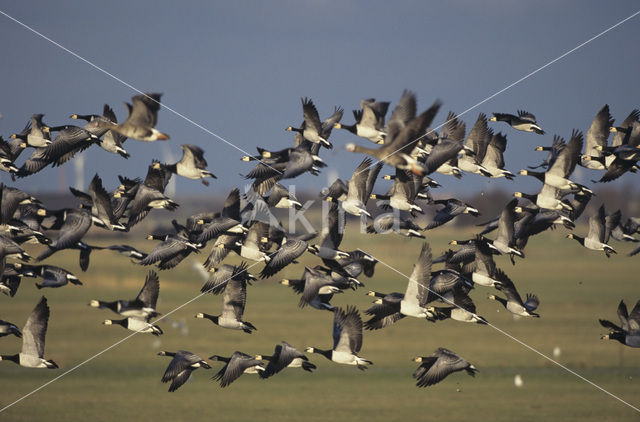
(240, 68)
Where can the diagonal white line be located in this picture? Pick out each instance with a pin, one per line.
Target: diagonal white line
(68, 371)
(511, 85)
(501, 331)
(95, 66)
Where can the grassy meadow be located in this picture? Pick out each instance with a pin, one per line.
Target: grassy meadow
(575, 286)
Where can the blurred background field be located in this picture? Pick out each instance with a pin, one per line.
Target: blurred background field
(575, 286)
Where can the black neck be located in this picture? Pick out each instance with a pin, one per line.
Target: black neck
(123, 322)
(325, 353)
(350, 128)
(617, 336)
(13, 358)
(501, 300)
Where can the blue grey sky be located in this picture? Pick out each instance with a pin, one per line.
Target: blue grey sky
(240, 68)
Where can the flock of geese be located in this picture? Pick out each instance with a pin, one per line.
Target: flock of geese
(405, 141)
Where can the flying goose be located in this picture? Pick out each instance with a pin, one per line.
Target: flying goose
(99, 200)
(493, 160)
(625, 155)
(287, 253)
(385, 310)
(595, 239)
(135, 324)
(69, 141)
(395, 152)
(321, 300)
(444, 153)
(181, 367)
(557, 175)
(52, 276)
(192, 165)
(391, 222)
(439, 365)
(234, 300)
(36, 133)
(513, 303)
(505, 239)
(452, 208)
(556, 146)
(33, 334)
(314, 283)
(9, 152)
(142, 119)
(11, 200)
(476, 147)
(483, 267)
(369, 121)
(403, 193)
(169, 253)
(144, 304)
(73, 224)
(217, 281)
(463, 309)
(524, 121)
(312, 129)
(284, 356)
(596, 140)
(149, 195)
(111, 141)
(359, 188)
(628, 333)
(347, 339)
(331, 235)
(238, 364)
(413, 303)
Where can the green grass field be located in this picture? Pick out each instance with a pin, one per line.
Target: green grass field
(575, 286)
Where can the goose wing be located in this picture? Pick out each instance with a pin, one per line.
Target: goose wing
(634, 318)
(144, 112)
(438, 366)
(622, 315)
(568, 157)
(234, 299)
(181, 361)
(283, 355)
(383, 315)
(506, 222)
(347, 330)
(74, 227)
(165, 250)
(358, 183)
(597, 225)
(193, 154)
(417, 287)
(453, 129)
(218, 279)
(405, 138)
(150, 290)
(507, 287)
(493, 156)
(101, 200)
(285, 255)
(526, 116)
(235, 367)
(35, 330)
(531, 303)
(336, 224)
(311, 116)
(598, 132)
(477, 138)
(327, 124)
